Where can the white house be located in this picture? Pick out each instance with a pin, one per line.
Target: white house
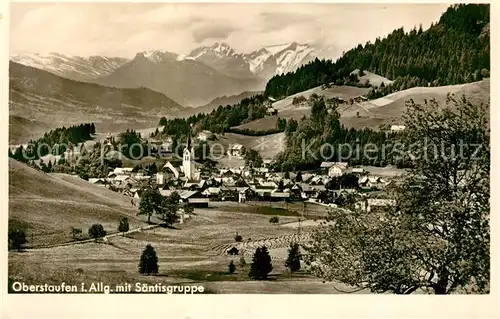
(271, 111)
(338, 169)
(357, 170)
(370, 203)
(160, 178)
(397, 128)
(235, 150)
(123, 170)
(203, 135)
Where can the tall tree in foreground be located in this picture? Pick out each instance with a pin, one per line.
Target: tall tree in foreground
(436, 236)
(149, 261)
(261, 264)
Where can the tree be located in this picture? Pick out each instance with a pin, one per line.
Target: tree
(261, 264)
(148, 263)
(169, 209)
(298, 177)
(274, 220)
(17, 239)
(231, 267)
(238, 238)
(150, 201)
(293, 260)
(252, 158)
(435, 236)
(75, 232)
(97, 231)
(123, 227)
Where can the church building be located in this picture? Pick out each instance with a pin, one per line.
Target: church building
(188, 167)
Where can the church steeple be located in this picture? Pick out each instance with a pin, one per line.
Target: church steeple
(187, 162)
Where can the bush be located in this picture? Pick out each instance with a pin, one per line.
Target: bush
(149, 261)
(238, 238)
(97, 231)
(293, 260)
(75, 232)
(123, 227)
(17, 239)
(274, 220)
(231, 267)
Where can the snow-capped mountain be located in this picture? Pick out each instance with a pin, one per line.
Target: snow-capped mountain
(283, 58)
(263, 63)
(186, 80)
(72, 67)
(224, 59)
(193, 79)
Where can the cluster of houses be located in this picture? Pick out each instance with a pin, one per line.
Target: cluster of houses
(233, 184)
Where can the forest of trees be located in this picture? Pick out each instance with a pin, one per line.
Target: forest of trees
(56, 141)
(219, 120)
(455, 50)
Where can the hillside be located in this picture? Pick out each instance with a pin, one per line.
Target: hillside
(287, 110)
(372, 78)
(385, 110)
(22, 129)
(222, 100)
(187, 81)
(390, 109)
(66, 201)
(41, 98)
(455, 50)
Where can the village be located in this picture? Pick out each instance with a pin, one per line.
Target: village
(326, 186)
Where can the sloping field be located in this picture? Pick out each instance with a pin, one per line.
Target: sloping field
(287, 110)
(48, 205)
(268, 146)
(22, 129)
(193, 252)
(374, 79)
(344, 91)
(385, 110)
(389, 109)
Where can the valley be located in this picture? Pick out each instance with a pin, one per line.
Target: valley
(263, 171)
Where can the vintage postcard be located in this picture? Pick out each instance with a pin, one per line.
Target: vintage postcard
(248, 148)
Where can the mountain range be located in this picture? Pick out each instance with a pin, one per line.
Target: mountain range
(39, 100)
(193, 79)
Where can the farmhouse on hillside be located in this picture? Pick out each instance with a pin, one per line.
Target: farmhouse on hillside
(235, 150)
(271, 111)
(203, 135)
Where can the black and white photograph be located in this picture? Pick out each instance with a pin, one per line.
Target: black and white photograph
(248, 148)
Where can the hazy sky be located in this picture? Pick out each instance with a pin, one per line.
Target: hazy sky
(123, 29)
